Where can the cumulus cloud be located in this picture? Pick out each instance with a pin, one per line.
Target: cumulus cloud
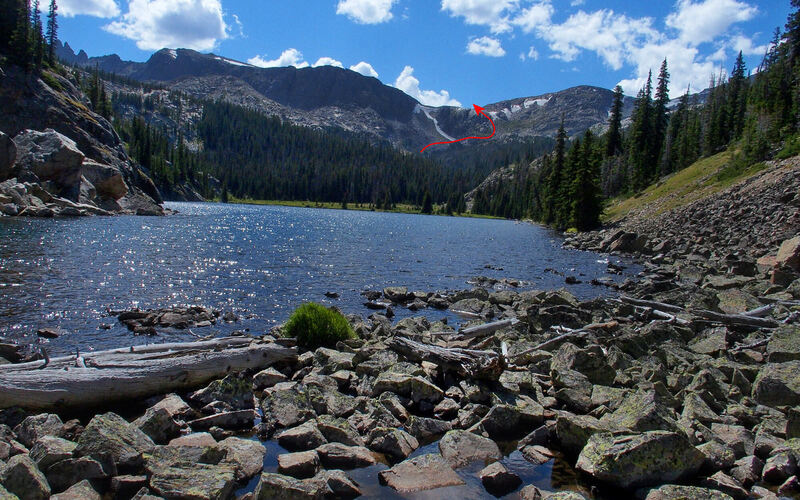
(704, 21)
(155, 24)
(365, 69)
(623, 41)
(612, 36)
(409, 84)
(366, 11)
(492, 13)
(96, 8)
(289, 57)
(327, 61)
(486, 46)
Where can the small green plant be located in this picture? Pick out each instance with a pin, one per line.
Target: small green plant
(51, 82)
(315, 326)
(790, 148)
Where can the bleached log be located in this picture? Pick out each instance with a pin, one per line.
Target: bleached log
(662, 306)
(736, 319)
(123, 374)
(486, 329)
(465, 362)
(553, 342)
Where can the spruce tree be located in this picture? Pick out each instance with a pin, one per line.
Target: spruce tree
(737, 99)
(641, 137)
(20, 46)
(9, 9)
(427, 204)
(38, 36)
(586, 198)
(660, 119)
(614, 135)
(52, 31)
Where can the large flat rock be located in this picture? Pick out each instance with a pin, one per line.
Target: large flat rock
(426, 472)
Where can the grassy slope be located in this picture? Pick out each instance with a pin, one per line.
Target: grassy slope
(699, 180)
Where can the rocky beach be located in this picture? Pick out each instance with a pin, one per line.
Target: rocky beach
(684, 385)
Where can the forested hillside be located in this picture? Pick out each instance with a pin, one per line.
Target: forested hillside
(756, 117)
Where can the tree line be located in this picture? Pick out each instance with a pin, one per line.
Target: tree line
(24, 39)
(755, 116)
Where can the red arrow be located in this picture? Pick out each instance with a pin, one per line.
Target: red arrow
(478, 111)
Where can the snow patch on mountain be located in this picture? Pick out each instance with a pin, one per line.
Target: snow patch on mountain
(536, 102)
(419, 108)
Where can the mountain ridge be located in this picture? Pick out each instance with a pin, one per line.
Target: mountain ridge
(328, 96)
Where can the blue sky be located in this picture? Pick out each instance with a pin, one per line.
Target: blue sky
(446, 51)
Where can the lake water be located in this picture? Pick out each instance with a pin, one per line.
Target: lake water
(257, 261)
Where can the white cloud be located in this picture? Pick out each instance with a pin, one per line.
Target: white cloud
(577, 3)
(492, 13)
(327, 61)
(486, 46)
(745, 44)
(612, 36)
(536, 17)
(409, 84)
(704, 21)
(155, 24)
(365, 69)
(289, 57)
(366, 11)
(96, 8)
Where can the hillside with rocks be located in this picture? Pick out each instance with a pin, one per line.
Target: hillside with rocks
(326, 96)
(60, 158)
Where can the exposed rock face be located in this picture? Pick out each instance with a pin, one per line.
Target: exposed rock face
(778, 384)
(70, 152)
(8, 155)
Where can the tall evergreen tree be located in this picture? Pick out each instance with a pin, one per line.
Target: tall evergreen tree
(585, 196)
(737, 99)
(614, 135)
(52, 31)
(660, 119)
(554, 188)
(20, 46)
(38, 35)
(641, 137)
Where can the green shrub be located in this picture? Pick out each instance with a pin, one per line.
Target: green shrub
(51, 81)
(790, 148)
(315, 326)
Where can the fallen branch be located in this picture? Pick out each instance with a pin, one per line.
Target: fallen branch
(126, 374)
(736, 319)
(554, 341)
(662, 306)
(465, 362)
(486, 329)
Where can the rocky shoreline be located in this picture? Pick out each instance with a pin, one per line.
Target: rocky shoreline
(687, 385)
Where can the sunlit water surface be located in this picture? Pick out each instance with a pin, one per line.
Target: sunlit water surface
(257, 261)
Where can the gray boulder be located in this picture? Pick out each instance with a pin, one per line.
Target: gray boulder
(50, 449)
(778, 384)
(246, 455)
(51, 157)
(498, 480)
(425, 472)
(107, 180)
(340, 456)
(415, 388)
(196, 481)
(460, 448)
(37, 426)
(639, 459)
(677, 492)
(79, 491)
(21, 477)
(112, 434)
(394, 442)
(303, 437)
(158, 424)
(302, 464)
(234, 390)
(61, 475)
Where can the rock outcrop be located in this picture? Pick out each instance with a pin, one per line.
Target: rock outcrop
(59, 158)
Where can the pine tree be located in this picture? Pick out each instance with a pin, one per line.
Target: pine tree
(641, 137)
(660, 118)
(52, 32)
(39, 42)
(586, 198)
(737, 99)
(792, 35)
(614, 135)
(9, 9)
(554, 189)
(427, 204)
(20, 46)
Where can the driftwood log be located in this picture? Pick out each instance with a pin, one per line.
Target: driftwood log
(94, 379)
(465, 362)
